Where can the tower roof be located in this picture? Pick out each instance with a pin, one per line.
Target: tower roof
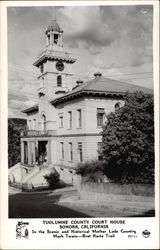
(53, 26)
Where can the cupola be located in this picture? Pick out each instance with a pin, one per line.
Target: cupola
(53, 27)
(54, 33)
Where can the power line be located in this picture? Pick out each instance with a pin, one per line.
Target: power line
(52, 81)
(138, 78)
(123, 74)
(24, 68)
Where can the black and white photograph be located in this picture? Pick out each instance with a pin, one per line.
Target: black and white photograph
(79, 125)
(80, 111)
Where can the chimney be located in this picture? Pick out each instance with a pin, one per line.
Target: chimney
(97, 75)
(79, 82)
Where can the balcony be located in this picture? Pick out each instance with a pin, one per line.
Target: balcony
(38, 133)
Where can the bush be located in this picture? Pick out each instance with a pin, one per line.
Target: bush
(53, 179)
(89, 168)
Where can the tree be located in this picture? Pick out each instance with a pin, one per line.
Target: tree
(128, 140)
(15, 126)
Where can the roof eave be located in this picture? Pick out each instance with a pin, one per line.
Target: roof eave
(86, 93)
(31, 109)
(54, 58)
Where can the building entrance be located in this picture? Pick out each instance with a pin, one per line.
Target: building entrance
(42, 152)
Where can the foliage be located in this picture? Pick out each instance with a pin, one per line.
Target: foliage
(89, 167)
(53, 179)
(128, 141)
(15, 126)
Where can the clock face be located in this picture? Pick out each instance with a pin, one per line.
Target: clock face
(60, 66)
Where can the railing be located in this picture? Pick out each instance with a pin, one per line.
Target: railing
(30, 133)
(29, 186)
(54, 53)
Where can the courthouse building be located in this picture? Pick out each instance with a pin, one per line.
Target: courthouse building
(64, 126)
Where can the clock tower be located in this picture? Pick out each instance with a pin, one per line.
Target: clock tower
(55, 64)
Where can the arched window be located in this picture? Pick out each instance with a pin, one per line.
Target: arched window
(59, 80)
(117, 106)
(55, 38)
(43, 122)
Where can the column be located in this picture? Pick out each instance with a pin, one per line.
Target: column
(25, 152)
(47, 40)
(33, 152)
(61, 41)
(49, 151)
(29, 153)
(22, 151)
(36, 152)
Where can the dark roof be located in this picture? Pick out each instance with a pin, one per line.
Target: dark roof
(30, 109)
(54, 26)
(102, 87)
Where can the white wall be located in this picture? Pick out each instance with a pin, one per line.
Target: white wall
(74, 141)
(63, 110)
(91, 111)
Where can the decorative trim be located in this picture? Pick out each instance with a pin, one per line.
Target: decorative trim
(63, 135)
(80, 93)
(45, 57)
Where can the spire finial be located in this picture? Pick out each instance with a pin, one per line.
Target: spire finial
(54, 14)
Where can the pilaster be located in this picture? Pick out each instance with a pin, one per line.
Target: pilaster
(22, 151)
(29, 152)
(49, 151)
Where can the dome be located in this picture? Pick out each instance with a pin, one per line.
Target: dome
(53, 27)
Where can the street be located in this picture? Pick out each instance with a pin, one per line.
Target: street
(39, 205)
(52, 204)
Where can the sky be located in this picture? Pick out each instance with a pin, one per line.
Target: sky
(114, 40)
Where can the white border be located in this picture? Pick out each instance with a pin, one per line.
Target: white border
(7, 226)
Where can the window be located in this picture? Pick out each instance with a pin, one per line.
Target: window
(80, 153)
(59, 81)
(100, 151)
(61, 121)
(56, 38)
(43, 122)
(70, 151)
(70, 119)
(62, 150)
(29, 124)
(79, 118)
(100, 116)
(117, 106)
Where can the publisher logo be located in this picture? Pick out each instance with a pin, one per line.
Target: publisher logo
(22, 230)
(146, 233)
